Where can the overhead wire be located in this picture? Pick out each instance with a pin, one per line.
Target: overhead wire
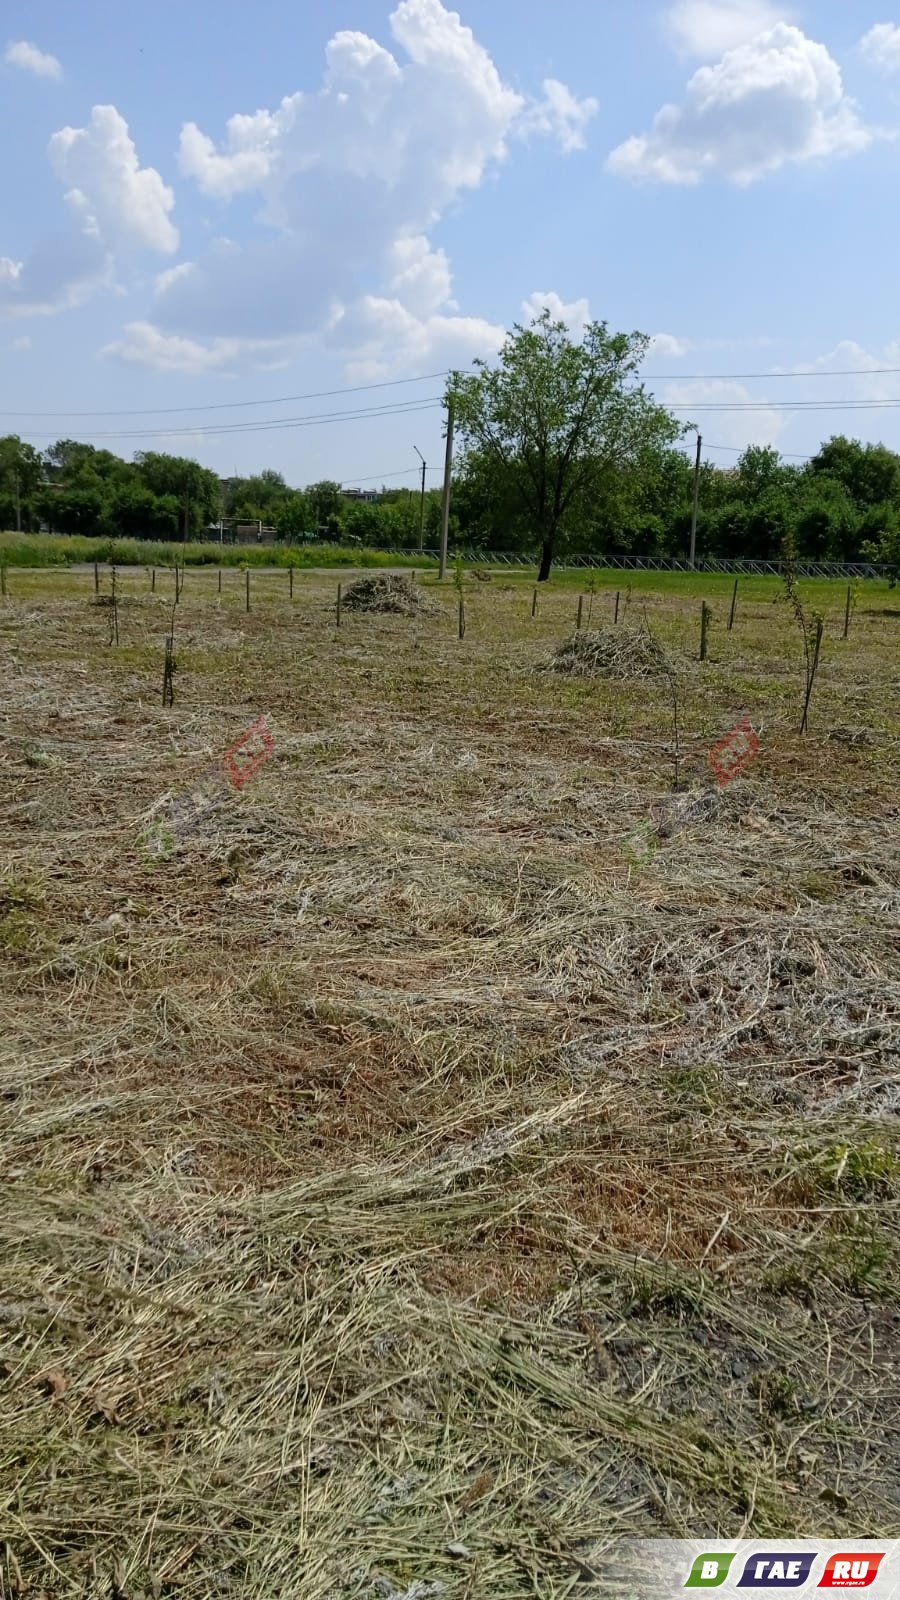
(426, 377)
(406, 409)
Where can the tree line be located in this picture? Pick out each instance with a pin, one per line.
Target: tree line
(561, 449)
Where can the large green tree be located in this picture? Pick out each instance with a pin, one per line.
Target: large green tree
(197, 490)
(556, 418)
(20, 477)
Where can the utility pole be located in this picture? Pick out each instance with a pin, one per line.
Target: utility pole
(422, 515)
(18, 502)
(445, 506)
(696, 501)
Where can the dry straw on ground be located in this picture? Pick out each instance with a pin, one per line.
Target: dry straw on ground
(404, 1195)
(388, 592)
(619, 653)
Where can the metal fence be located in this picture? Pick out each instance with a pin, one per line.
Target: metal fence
(805, 569)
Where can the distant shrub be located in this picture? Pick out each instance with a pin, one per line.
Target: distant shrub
(54, 550)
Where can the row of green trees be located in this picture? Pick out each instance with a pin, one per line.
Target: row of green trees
(561, 448)
(75, 488)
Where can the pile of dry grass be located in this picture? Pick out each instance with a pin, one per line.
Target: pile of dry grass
(388, 592)
(625, 653)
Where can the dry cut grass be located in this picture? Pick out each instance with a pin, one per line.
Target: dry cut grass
(412, 1187)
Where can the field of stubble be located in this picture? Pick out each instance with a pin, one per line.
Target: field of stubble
(411, 1183)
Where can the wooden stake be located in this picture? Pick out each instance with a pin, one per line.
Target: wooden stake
(168, 697)
(847, 613)
(705, 615)
(291, 582)
(177, 588)
(247, 587)
(812, 676)
(96, 578)
(534, 603)
(733, 604)
(3, 579)
(339, 606)
(580, 608)
(462, 617)
(152, 580)
(616, 617)
(220, 580)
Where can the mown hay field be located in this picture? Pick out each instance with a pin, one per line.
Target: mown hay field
(456, 1151)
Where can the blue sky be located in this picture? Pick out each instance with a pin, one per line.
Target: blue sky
(206, 205)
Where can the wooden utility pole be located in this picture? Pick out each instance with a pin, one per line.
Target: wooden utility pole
(696, 501)
(445, 504)
(422, 510)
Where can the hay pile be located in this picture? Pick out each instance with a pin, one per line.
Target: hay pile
(388, 592)
(625, 653)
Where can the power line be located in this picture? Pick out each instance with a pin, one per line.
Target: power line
(785, 405)
(408, 408)
(744, 377)
(377, 477)
(233, 405)
(738, 450)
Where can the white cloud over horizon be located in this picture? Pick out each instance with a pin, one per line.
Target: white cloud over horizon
(28, 58)
(117, 208)
(732, 429)
(118, 201)
(575, 313)
(351, 179)
(775, 100)
(710, 28)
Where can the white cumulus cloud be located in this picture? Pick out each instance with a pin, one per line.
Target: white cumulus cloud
(143, 345)
(382, 337)
(30, 59)
(352, 177)
(668, 346)
(708, 28)
(731, 429)
(125, 205)
(561, 115)
(881, 46)
(775, 100)
(575, 313)
(62, 272)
